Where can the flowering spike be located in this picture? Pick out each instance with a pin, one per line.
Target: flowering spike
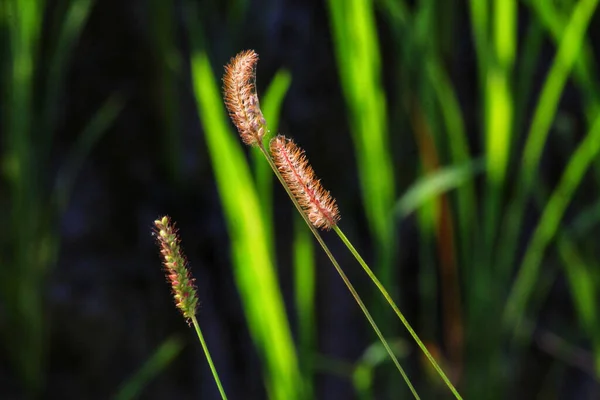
(320, 208)
(239, 91)
(175, 265)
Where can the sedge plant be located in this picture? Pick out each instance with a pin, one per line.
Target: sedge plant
(182, 284)
(315, 204)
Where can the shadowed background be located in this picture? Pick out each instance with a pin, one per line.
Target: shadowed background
(460, 140)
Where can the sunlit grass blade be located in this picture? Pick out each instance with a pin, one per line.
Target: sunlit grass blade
(359, 65)
(498, 94)
(253, 267)
(547, 227)
(162, 357)
(499, 114)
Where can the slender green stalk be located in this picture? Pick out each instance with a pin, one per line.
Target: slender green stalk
(340, 272)
(209, 358)
(397, 311)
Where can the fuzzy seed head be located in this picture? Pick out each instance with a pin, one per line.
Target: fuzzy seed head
(241, 100)
(175, 265)
(320, 208)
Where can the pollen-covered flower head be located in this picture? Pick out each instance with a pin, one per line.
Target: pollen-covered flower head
(318, 205)
(175, 265)
(241, 100)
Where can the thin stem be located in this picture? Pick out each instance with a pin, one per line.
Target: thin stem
(349, 285)
(208, 358)
(397, 311)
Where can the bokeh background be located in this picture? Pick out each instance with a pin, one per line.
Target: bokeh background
(460, 139)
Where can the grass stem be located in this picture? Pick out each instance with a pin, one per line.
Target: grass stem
(397, 311)
(209, 358)
(341, 273)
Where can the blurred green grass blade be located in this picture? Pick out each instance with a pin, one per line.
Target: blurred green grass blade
(90, 135)
(396, 11)
(505, 31)
(23, 301)
(375, 355)
(530, 52)
(547, 227)
(272, 101)
(271, 106)
(166, 70)
(582, 287)
(359, 67)
(459, 148)
(304, 289)
(75, 18)
(585, 221)
(554, 18)
(567, 54)
(555, 22)
(499, 112)
(435, 184)
(545, 111)
(24, 21)
(162, 357)
(585, 292)
(253, 268)
(479, 13)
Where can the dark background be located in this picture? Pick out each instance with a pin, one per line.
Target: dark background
(106, 306)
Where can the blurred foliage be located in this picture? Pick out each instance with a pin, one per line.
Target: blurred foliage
(32, 89)
(499, 199)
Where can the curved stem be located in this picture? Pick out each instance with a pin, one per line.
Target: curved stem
(397, 311)
(349, 285)
(209, 359)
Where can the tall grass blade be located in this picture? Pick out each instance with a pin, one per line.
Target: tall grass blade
(253, 267)
(547, 227)
(359, 65)
(568, 51)
(459, 148)
(499, 112)
(341, 273)
(555, 23)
